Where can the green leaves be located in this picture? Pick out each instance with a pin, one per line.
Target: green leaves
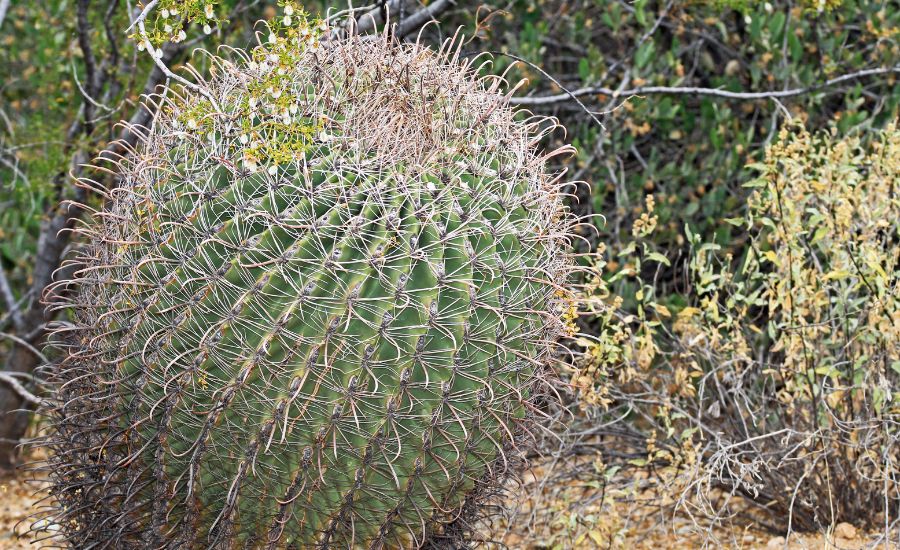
(644, 54)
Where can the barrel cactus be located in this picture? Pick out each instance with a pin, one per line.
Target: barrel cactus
(311, 313)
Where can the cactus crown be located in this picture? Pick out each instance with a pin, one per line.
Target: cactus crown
(311, 312)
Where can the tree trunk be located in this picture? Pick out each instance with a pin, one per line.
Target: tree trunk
(14, 411)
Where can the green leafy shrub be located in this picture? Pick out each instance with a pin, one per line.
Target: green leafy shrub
(802, 344)
(778, 381)
(313, 313)
(691, 150)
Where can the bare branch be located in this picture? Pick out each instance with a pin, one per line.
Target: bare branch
(10, 300)
(19, 389)
(92, 78)
(143, 15)
(372, 18)
(415, 21)
(690, 90)
(404, 25)
(569, 95)
(4, 6)
(14, 166)
(157, 56)
(25, 345)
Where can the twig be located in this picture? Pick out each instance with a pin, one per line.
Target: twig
(10, 301)
(4, 6)
(416, 20)
(568, 95)
(17, 387)
(92, 78)
(84, 93)
(690, 90)
(157, 58)
(143, 15)
(368, 21)
(25, 345)
(15, 168)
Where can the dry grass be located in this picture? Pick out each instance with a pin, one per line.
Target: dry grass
(638, 530)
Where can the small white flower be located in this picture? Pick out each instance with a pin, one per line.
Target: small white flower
(289, 10)
(173, 11)
(250, 164)
(293, 108)
(287, 21)
(768, 7)
(142, 46)
(273, 38)
(167, 28)
(181, 36)
(207, 29)
(243, 139)
(273, 170)
(158, 54)
(192, 124)
(164, 13)
(208, 11)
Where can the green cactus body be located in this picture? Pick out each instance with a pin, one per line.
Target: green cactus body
(328, 350)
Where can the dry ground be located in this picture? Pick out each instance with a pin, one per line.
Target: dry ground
(18, 499)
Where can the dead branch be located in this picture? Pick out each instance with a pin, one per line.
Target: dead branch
(19, 389)
(699, 91)
(11, 305)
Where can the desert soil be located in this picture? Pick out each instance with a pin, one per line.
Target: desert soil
(20, 500)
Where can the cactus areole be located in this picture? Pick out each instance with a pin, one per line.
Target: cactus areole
(311, 312)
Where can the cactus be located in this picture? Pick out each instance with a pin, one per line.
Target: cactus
(311, 313)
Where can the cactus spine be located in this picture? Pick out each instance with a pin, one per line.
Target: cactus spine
(310, 315)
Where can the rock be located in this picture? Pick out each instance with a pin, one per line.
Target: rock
(844, 530)
(777, 542)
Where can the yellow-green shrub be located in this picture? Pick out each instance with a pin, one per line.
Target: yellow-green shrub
(778, 377)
